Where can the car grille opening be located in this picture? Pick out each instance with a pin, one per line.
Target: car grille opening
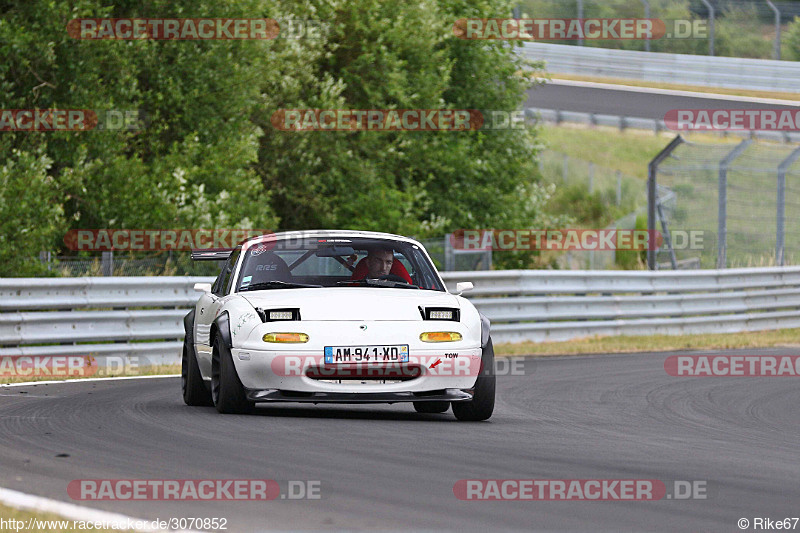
(364, 375)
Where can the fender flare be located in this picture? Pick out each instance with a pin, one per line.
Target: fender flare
(485, 328)
(222, 323)
(188, 324)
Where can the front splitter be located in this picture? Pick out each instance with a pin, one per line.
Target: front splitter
(274, 395)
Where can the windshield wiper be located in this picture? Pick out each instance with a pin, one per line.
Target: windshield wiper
(276, 285)
(372, 282)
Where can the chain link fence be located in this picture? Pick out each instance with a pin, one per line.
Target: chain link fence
(734, 28)
(126, 264)
(728, 205)
(605, 194)
(179, 263)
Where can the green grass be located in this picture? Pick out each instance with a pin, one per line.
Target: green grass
(628, 151)
(150, 370)
(654, 343)
(12, 513)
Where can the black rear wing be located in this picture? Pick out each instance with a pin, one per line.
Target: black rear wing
(211, 255)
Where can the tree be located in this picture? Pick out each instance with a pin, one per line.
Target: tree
(395, 55)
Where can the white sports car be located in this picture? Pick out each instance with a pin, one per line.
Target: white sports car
(335, 317)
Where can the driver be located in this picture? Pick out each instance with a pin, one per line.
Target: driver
(379, 262)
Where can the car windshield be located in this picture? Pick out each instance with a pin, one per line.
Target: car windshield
(336, 262)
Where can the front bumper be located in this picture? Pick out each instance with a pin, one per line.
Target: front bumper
(263, 366)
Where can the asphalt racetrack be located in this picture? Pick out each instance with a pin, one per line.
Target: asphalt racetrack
(387, 467)
(630, 102)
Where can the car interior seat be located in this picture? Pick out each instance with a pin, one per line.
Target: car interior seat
(270, 267)
(398, 269)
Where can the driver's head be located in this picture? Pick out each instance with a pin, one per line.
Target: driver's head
(379, 262)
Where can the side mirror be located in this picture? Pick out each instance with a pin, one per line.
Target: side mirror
(463, 286)
(202, 287)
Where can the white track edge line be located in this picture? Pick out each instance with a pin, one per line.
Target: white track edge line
(673, 92)
(21, 500)
(84, 380)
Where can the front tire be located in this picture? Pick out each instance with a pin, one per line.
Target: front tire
(227, 391)
(431, 407)
(194, 389)
(481, 406)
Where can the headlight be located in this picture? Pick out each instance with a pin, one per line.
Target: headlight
(440, 336)
(275, 315)
(285, 337)
(442, 313)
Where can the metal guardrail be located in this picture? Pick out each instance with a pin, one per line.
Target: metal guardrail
(729, 72)
(143, 316)
(543, 306)
(656, 126)
(98, 316)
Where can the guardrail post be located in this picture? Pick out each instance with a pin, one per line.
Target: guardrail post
(722, 212)
(652, 173)
(780, 237)
(711, 18)
(777, 53)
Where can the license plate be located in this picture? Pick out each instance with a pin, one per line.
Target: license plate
(396, 353)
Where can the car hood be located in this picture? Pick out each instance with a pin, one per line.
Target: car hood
(352, 303)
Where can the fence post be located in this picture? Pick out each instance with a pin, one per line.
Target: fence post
(722, 210)
(44, 257)
(711, 17)
(565, 168)
(580, 16)
(619, 188)
(591, 177)
(780, 237)
(647, 16)
(652, 172)
(777, 53)
(449, 256)
(107, 263)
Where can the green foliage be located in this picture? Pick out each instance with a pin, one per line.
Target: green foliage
(208, 156)
(191, 165)
(791, 40)
(395, 55)
(30, 217)
(735, 36)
